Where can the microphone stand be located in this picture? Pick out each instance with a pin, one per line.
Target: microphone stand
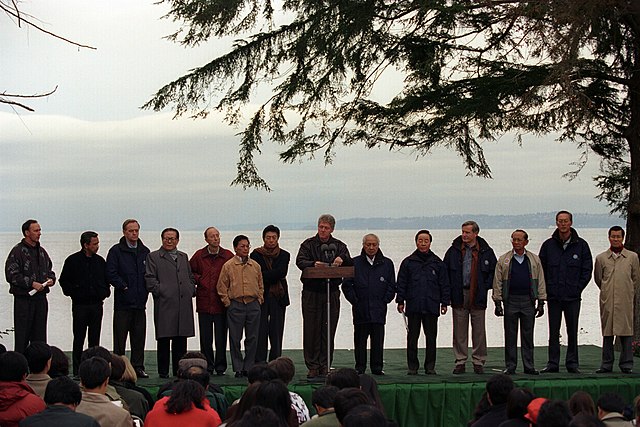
(329, 256)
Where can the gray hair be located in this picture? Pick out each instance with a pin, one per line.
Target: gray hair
(370, 235)
(474, 226)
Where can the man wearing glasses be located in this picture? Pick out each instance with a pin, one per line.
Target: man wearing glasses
(567, 263)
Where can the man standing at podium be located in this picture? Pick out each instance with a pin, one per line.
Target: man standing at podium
(314, 294)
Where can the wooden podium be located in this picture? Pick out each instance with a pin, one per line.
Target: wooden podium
(327, 273)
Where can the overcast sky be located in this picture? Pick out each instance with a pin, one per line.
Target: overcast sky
(89, 157)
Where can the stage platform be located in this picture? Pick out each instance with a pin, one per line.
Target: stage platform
(444, 399)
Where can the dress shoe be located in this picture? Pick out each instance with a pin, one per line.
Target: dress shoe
(626, 370)
(509, 371)
(478, 369)
(140, 373)
(431, 372)
(380, 372)
(549, 370)
(412, 372)
(219, 373)
(459, 369)
(603, 371)
(360, 371)
(573, 370)
(531, 372)
(238, 374)
(164, 376)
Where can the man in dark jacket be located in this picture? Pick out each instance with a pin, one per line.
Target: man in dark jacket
(84, 279)
(423, 295)
(470, 263)
(498, 388)
(125, 272)
(369, 292)
(29, 271)
(274, 263)
(567, 264)
(206, 264)
(314, 295)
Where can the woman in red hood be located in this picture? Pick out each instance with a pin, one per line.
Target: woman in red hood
(17, 399)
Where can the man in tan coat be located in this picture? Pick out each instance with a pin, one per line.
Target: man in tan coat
(617, 274)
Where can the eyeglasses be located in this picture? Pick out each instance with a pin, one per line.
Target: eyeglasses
(170, 239)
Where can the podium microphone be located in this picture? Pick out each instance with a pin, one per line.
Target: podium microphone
(329, 252)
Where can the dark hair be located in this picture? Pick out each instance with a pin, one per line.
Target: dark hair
(197, 374)
(13, 366)
(519, 230)
(481, 408)
(566, 213)
(260, 372)
(554, 413)
(271, 229)
(27, 225)
(38, 353)
(238, 239)
(517, 402)
(344, 378)
(98, 351)
(93, 372)
(611, 402)
(498, 388)
(207, 229)
(423, 232)
(170, 229)
(247, 401)
(117, 367)
(185, 394)
(581, 402)
(258, 416)
(586, 420)
(59, 363)
(3, 349)
(129, 221)
(284, 368)
(324, 396)
(62, 390)
(474, 226)
(275, 395)
(347, 399)
(85, 238)
(369, 385)
(364, 416)
(616, 228)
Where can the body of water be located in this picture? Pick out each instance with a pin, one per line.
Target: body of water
(395, 244)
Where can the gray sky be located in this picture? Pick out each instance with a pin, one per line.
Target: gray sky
(89, 157)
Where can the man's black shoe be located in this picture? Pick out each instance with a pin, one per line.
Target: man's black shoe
(431, 372)
(531, 372)
(626, 370)
(603, 371)
(573, 370)
(380, 372)
(509, 371)
(164, 376)
(219, 373)
(140, 373)
(550, 370)
(238, 374)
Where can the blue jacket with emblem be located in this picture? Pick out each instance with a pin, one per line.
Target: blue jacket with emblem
(125, 271)
(423, 285)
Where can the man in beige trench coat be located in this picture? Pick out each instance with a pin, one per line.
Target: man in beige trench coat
(617, 274)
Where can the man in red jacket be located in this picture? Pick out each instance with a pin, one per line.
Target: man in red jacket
(206, 264)
(17, 398)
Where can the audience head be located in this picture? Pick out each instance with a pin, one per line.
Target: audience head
(324, 396)
(185, 395)
(275, 396)
(364, 416)
(258, 416)
(517, 402)
(610, 402)
(344, 378)
(581, 402)
(586, 420)
(533, 409)
(13, 366)
(260, 372)
(554, 413)
(96, 351)
(348, 398)
(498, 388)
(94, 372)
(284, 368)
(3, 349)
(247, 401)
(117, 368)
(192, 358)
(59, 363)
(62, 391)
(197, 374)
(129, 374)
(38, 356)
(369, 385)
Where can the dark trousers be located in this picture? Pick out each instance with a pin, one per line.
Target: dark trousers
(178, 349)
(314, 328)
(571, 310)
(626, 355)
(85, 318)
(133, 322)
(29, 321)
(519, 309)
(430, 325)
(214, 326)
(361, 334)
(271, 329)
(245, 318)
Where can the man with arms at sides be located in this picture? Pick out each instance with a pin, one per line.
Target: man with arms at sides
(314, 296)
(206, 264)
(171, 283)
(567, 263)
(84, 279)
(369, 292)
(519, 283)
(29, 271)
(470, 263)
(617, 274)
(274, 263)
(241, 291)
(125, 272)
(423, 295)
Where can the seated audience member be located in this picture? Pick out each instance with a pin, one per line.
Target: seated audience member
(364, 416)
(481, 408)
(38, 356)
(369, 385)
(17, 398)
(258, 416)
(498, 388)
(585, 420)
(187, 406)
(136, 401)
(533, 409)
(610, 409)
(285, 369)
(517, 402)
(130, 378)
(59, 363)
(94, 377)
(62, 397)
(99, 351)
(347, 399)
(554, 413)
(581, 402)
(344, 378)
(248, 399)
(3, 349)
(322, 400)
(275, 396)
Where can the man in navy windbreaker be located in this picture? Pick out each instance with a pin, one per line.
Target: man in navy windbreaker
(369, 292)
(567, 264)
